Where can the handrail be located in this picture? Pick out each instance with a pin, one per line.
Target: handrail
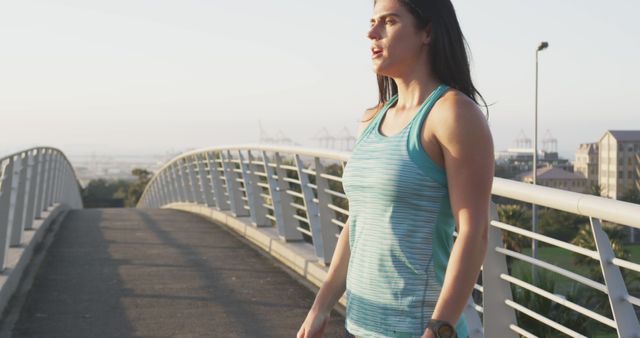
(302, 200)
(31, 182)
(575, 203)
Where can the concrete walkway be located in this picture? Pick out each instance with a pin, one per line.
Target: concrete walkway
(159, 273)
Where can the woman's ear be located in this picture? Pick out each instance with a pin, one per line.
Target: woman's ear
(427, 35)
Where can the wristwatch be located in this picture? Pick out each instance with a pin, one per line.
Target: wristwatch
(441, 329)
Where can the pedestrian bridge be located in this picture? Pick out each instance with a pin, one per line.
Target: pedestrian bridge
(224, 240)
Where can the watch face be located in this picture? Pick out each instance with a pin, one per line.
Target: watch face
(445, 331)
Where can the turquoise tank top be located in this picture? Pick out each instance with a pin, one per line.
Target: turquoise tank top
(400, 230)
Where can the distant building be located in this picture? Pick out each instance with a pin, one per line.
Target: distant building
(587, 162)
(514, 161)
(619, 162)
(555, 177)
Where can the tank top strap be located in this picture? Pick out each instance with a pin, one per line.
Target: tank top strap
(376, 119)
(414, 142)
(428, 104)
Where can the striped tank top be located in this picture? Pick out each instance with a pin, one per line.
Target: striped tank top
(400, 230)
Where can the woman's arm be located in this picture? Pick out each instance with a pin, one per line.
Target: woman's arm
(331, 290)
(336, 282)
(467, 148)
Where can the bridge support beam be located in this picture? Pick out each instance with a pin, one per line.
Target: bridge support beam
(257, 211)
(497, 316)
(623, 312)
(233, 188)
(218, 190)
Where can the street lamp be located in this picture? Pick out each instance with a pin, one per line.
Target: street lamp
(534, 209)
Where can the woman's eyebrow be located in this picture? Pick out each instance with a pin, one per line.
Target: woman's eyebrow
(385, 15)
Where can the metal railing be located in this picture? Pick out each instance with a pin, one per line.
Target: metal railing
(31, 182)
(299, 192)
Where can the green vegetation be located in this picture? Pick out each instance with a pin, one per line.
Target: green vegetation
(101, 193)
(577, 230)
(631, 196)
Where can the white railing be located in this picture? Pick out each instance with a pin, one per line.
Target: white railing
(299, 192)
(597, 209)
(31, 183)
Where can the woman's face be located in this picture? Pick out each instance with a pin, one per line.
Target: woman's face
(396, 44)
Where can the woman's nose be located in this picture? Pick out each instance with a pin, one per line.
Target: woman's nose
(373, 33)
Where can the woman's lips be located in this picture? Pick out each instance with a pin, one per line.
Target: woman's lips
(376, 53)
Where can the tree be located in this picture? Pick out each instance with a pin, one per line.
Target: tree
(101, 193)
(542, 305)
(518, 216)
(584, 239)
(559, 224)
(632, 196)
(136, 188)
(594, 189)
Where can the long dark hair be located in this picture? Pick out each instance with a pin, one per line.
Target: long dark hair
(447, 52)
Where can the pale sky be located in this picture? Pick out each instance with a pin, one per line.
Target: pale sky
(134, 76)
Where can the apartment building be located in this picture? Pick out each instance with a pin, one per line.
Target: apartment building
(587, 162)
(619, 162)
(557, 178)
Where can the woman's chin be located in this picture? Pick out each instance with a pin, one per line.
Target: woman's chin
(379, 69)
(383, 71)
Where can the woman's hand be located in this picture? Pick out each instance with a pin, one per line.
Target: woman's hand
(314, 325)
(428, 334)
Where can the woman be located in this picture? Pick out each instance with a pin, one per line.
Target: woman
(422, 167)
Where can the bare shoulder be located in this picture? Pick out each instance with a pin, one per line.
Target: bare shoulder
(454, 106)
(366, 118)
(456, 115)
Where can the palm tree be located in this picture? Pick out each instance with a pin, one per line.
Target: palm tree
(547, 281)
(516, 215)
(594, 189)
(617, 235)
(584, 239)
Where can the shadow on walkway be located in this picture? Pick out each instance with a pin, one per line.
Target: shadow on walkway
(159, 273)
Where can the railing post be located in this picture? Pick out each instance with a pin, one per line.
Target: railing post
(189, 184)
(46, 180)
(148, 198)
(58, 181)
(184, 181)
(161, 190)
(177, 181)
(311, 209)
(20, 171)
(37, 196)
(52, 178)
(195, 187)
(165, 181)
(287, 225)
(32, 185)
(152, 201)
(623, 312)
(218, 190)
(329, 229)
(235, 195)
(65, 184)
(41, 182)
(497, 316)
(257, 211)
(6, 195)
(64, 167)
(205, 184)
(159, 195)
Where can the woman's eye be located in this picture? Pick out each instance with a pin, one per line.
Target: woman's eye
(389, 22)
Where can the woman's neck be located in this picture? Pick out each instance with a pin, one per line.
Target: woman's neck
(414, 88)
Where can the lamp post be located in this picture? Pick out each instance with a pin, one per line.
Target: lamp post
(534, 209)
